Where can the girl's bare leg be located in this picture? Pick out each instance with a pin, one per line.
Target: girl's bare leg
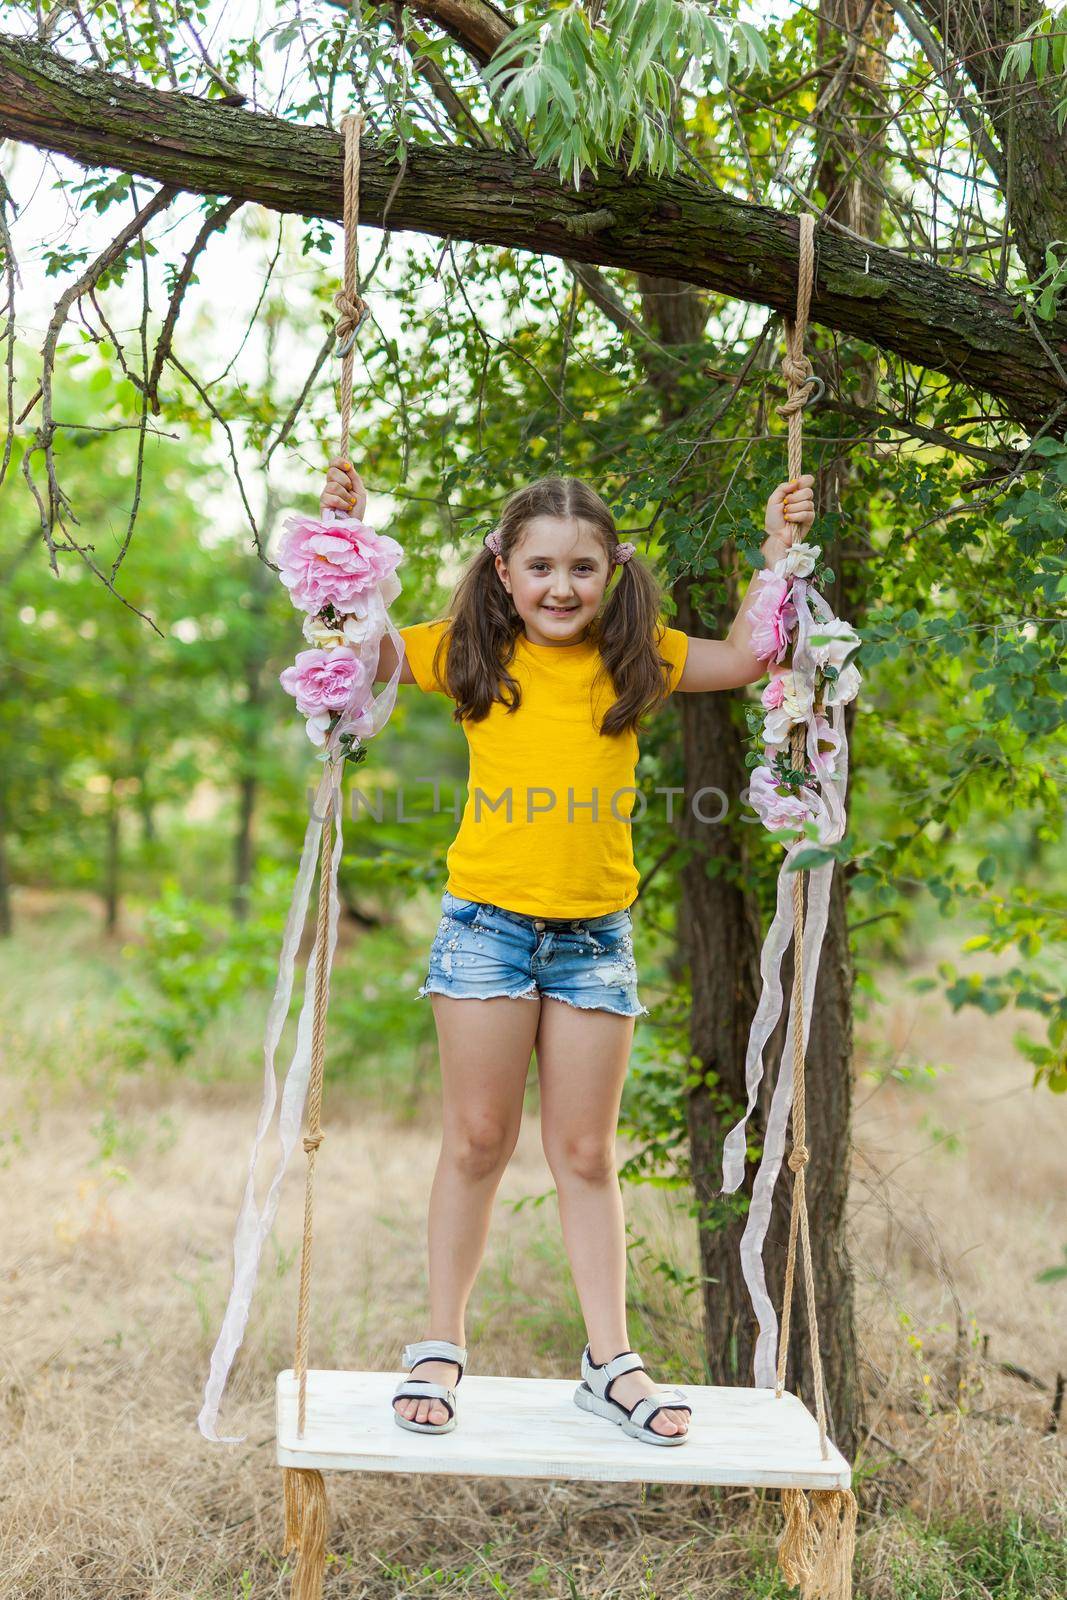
(485, 1048)
(582, 1057)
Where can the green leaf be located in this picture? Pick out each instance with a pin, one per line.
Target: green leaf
(532, 93)
(720, 50)
(558, 82)
(757, 49)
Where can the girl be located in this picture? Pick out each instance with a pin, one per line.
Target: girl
(552, 669)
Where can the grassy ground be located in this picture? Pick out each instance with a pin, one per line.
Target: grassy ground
(120, 1191)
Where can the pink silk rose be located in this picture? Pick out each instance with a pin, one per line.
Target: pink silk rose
(773, 809)
(773, 695)
(325, 680)
(332, 563)
(772, 618)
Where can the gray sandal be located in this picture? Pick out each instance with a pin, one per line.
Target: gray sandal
(592, 1395)
(422, 1389)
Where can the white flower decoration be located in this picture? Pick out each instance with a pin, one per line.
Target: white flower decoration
(322, 635)
(838, 638)
(776, 726)
(843, 688)
(797, 696)
(798, 561)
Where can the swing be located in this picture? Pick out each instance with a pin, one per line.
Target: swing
(759, 1437)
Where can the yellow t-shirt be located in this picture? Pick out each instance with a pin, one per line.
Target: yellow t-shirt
(546, 828)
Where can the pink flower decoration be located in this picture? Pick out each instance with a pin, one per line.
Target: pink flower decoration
(829, 743)
(772, 697)
(772, 617)
(775, 810)
(325, 680)
(331, 563)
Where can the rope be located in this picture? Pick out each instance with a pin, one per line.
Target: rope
(353, 309)
(306, 1507)
(797, 370)
(349, 302)
(314, 1135)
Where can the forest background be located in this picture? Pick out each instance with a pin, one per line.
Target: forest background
(171, 397)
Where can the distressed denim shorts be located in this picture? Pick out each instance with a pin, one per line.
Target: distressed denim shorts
(481, 951)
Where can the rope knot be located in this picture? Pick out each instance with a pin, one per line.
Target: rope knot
(312, 1141)
(353, 309)
(798, 1157)
(796, 369)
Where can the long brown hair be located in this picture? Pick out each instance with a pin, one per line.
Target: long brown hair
(485, 623)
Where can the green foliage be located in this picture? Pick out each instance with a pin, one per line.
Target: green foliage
(1019, 1558)
(194, 963)
(1041, 49)
(1048, 285)
(585, 86)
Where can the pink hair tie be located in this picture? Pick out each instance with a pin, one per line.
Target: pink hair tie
(623, 552)
(492, 541)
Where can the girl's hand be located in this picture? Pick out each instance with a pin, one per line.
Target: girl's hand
(344, 490)
(791, 502)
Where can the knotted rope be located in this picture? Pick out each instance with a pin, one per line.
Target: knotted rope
(348, 300)
(314, 1134)
(306, 1506)
(816, 1547)
(796, 368)
(797, 371)
(353, 309)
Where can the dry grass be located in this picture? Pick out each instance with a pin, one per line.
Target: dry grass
(116, 1262)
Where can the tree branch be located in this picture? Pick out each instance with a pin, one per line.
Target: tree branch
(669, 227)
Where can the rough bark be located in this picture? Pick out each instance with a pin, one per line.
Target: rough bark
(475, 24)
(853, 191)
(671, 227)
(722, 937)
(718, 923)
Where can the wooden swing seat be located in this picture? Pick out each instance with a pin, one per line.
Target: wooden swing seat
(531, 1428)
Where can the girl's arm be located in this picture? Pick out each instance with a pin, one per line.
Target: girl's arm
(344, 491)
(728, 663)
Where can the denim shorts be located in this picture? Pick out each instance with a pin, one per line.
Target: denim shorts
(481, 952)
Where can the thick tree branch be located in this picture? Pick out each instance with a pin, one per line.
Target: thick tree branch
(475, 24)
(668, 227)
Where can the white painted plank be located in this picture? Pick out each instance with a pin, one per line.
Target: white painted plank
(531, 1428)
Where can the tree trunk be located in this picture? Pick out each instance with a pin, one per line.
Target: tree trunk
(718, 931)
(243, 847)
(248, 756)
(851, 189)
(6, 919)
(721, 939)
(672, 227)
(721, 936)
(112, 861)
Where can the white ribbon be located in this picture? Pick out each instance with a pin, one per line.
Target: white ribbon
(255, 1221)
(829, 807)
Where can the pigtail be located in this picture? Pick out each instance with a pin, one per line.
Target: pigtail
(481, 641)
(626, 630)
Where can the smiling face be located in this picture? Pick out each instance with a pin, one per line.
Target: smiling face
(556, 575)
